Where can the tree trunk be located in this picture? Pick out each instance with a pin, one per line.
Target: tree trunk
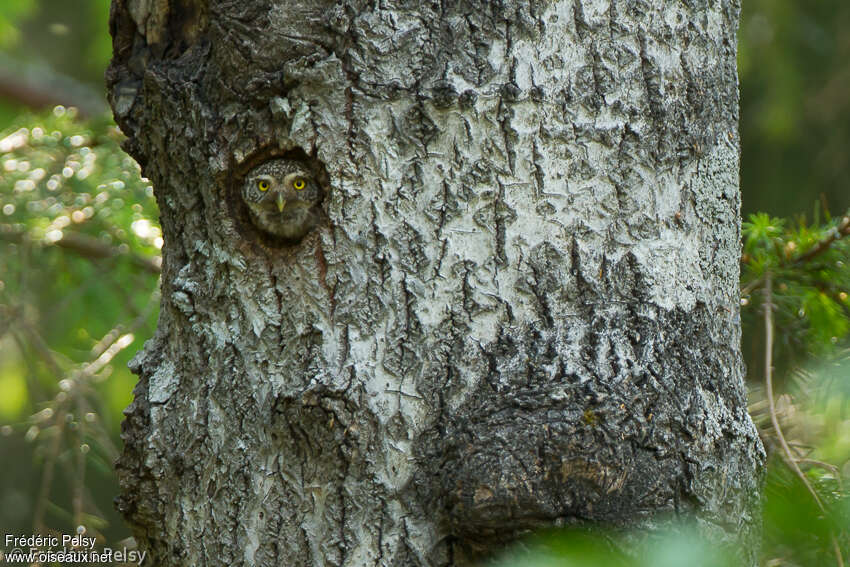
(520, 308)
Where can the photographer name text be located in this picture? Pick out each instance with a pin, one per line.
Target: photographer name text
(64, 549)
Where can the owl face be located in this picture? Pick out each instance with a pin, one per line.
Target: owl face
(282, 197)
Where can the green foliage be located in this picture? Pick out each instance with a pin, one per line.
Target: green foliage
(796, 532)
(99, 49)
(71, 37)
(675, 545)
(795, 281)
(562, 549)
(10, 12)
(59, 174)
(79, 253)
(810, 268)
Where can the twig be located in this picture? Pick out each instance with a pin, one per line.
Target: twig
(826, 466)
(748, 289)
(768, 380)
(43, 349)
(38, 86)
(47, 480)
(88, 247)
(839, 232)
(80, 481)
(9, 316)
(33, 383)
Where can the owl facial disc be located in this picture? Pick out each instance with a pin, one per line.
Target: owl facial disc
(282, 198)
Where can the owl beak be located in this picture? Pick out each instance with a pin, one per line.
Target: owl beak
(281, 202)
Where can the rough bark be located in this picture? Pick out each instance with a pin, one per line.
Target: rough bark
(520, 311)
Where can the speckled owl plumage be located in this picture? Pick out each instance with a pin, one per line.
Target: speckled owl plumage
(283, 198)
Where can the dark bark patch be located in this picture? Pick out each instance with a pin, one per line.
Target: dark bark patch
(529, 449)
(187, 21)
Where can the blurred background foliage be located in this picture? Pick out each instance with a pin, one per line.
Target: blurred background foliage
(79, 262)
(794, 67)
(79, 265)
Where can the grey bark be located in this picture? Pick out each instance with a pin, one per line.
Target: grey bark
(521, 309)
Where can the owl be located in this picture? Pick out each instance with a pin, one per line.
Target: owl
(283, 198)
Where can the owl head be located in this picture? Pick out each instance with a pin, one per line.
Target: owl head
(280, 184)
(282, 196)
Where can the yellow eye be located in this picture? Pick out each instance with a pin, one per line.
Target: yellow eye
(263, 185)
(298, 184)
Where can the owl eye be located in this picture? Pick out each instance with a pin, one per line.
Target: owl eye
(299, 184)
(263, 185)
